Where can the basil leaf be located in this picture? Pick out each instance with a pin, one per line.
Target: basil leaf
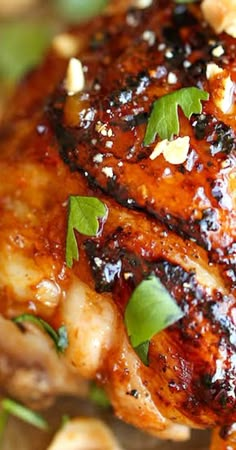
(150, 310)
(164, 119)
(83, 217)
(98, 396)
(59, 337)
(23, 413)
(77, 10)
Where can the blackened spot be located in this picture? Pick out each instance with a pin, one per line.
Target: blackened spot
(171, 36)
(197, 70)
(209, 221)
(197, 39)
(142, 78)
(136, 120)
(99, 40)
(121, 97)
(224, 139)
(133, 393)
(207, 380)
(182, 17)
(200, 126)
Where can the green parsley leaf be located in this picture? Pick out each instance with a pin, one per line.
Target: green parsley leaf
(164, 118)
(142, 351)
(98, 396)
(23, 413)
(83, 217)
(150, 310)
(59, 337)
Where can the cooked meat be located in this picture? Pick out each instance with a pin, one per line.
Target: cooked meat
(84, 434)
(167, 216)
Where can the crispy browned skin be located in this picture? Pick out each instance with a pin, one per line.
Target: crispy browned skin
(177, 221)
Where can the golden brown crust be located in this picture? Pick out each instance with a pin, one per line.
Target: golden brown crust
(177, 221)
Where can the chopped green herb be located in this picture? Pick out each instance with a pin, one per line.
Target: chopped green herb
(83, 217)
(150, 310)
(164, 119)
(77, 10)
(23, 413)
(62, 342)
(3, 423)
(186, 1)
(59, 337)
(142, 352)
(98, 396)
(64, 420)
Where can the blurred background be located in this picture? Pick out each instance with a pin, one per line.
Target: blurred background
(26, 30)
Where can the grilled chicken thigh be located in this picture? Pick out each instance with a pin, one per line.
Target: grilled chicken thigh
(169, 217)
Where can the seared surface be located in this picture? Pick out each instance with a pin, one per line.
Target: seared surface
(177, 221)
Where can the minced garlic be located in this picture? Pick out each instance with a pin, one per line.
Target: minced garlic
(141, 3)
(174, 152)
(84, 433)
(65, 45)
(222, 87)
(75, 80)
(221, 15)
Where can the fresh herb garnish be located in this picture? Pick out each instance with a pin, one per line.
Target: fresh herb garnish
(83, 217)
(98, 395)
(64, 420)
(14, 408)
(186, 1)
(150, 310)
(3, 423)
(164, 119)
(59, 337)
(142, 351)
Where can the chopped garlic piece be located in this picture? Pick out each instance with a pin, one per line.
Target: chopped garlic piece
(226, 95)
(158, 150)
(172, 78)
(142, 3)
(174, 152)
(84, 434)
(74, 81)
(223, 88)
(65, 45)
(218, 51)
(221, 15)
(212, 70)
(108, 171)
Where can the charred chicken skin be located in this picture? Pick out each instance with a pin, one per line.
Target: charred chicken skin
(176, 221)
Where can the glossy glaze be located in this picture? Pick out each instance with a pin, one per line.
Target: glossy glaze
(177, 221)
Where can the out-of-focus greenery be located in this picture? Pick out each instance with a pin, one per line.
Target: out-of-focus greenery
(22, 44)
(78, 10)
